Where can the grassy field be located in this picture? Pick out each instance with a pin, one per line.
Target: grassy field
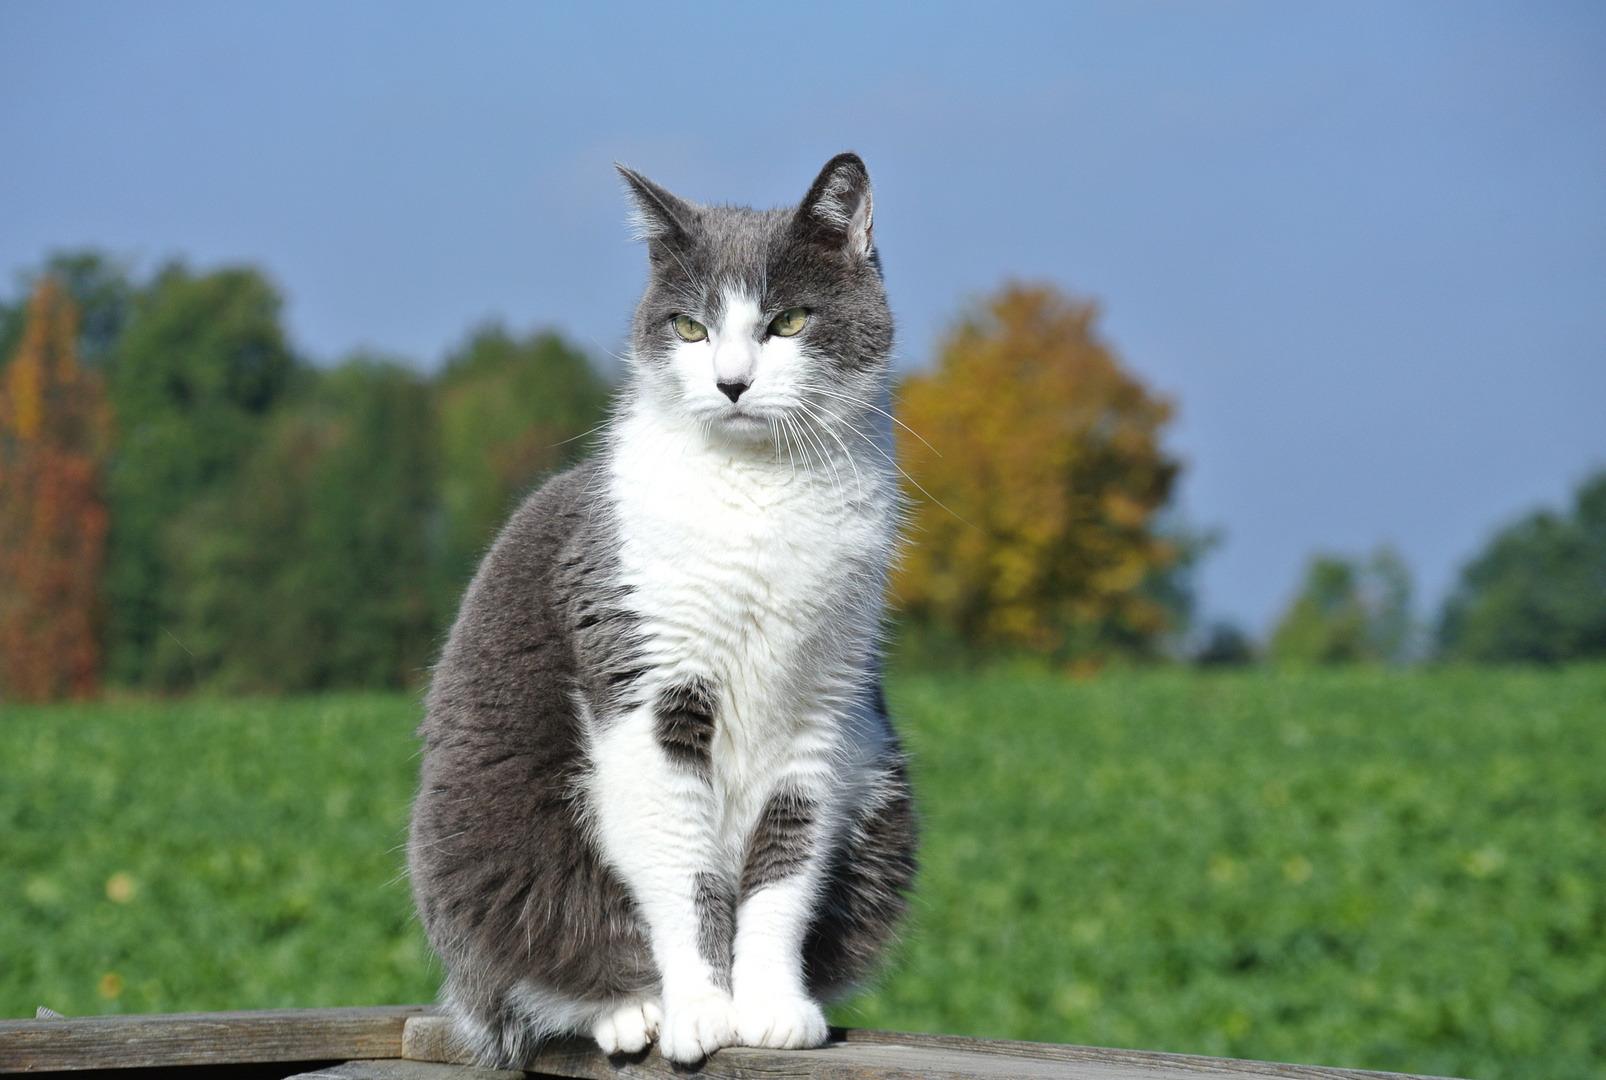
(1392, 870)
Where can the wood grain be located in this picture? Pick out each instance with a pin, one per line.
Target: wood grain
(1191, 1065)
(406, 1070)
(216, 1038)
(882, 1055)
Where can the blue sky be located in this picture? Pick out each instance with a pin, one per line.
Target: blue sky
(1363, 246)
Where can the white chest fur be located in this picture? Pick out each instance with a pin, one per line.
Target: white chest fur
(761, 574)
(755, 570)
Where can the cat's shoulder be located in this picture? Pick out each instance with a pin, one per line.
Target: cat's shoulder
(551, 515)
(519, 567)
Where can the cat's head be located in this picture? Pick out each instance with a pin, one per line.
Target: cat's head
(756, 320)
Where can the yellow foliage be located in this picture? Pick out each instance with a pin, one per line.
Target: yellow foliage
(1036, 476)
(25, 388)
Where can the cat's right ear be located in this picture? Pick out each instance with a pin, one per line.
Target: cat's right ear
(657, 215)
(838, 210)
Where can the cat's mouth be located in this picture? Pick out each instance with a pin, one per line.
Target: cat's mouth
(746, 423)
(746, 418)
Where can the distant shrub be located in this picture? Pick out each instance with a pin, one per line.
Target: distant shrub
(1348, 611)
(1225, 645)
(1537, 591)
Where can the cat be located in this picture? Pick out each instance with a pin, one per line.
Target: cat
(660, 793)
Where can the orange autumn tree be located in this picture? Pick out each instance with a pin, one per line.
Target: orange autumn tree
(54, 425)
(1036, 477)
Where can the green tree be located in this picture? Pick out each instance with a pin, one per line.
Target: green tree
(1537, 591)
(1348, 611)
(511, 411)
(195, 370)
(311, 569)
(99, 287)
(1224, 645)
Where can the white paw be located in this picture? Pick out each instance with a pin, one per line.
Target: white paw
(788, 1022)
(695, 1027)
(629, 1028)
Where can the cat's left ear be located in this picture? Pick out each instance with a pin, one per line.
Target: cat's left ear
(838, 209)
(660, 216)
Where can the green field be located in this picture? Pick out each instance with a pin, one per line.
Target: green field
(1396, 870)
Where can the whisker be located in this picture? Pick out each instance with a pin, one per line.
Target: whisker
(829, 430)
(822, 453)
(786, 429)
(905, 474)
(883, 412)
(779, 436)
(806, 433)
(577, 438)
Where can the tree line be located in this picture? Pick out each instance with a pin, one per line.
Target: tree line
(1535, 593)
(186, 502)
(236, 517)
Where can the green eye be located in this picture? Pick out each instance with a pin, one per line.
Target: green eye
(789, 322)
(690, 329)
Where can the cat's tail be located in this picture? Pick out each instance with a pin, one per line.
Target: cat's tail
(506, 1032)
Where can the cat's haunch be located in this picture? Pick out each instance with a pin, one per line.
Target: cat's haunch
(661, 797)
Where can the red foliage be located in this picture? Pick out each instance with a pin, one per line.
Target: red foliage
(54, 429)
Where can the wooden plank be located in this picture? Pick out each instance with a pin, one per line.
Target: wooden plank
(1186, 1064)
(216, 1038)
(406, 1070)
(883, 1055)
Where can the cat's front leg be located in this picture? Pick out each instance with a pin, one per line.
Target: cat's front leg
(654, 813)
(779, 886)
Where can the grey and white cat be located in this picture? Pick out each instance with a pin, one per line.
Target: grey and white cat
(661, 796)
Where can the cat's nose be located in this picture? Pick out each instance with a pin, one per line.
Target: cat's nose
(735, 364)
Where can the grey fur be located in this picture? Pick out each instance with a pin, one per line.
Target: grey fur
(510, 886)
(716, 926)
(685, 716)
(508, 883)
(872, 871)
(781, 842)
(789, 257)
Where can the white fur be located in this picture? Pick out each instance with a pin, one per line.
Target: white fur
(735, 347)
(772, 1008)
(755, 552)
(629, 1028)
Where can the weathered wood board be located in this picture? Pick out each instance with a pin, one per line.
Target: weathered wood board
(882, 1055)
(414, 1043)
(215, 1038)
(407, 1070)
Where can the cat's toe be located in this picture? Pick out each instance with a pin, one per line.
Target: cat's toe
(781, 1023)
(606, 1032)
(695, 1027)
(628, 1029)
